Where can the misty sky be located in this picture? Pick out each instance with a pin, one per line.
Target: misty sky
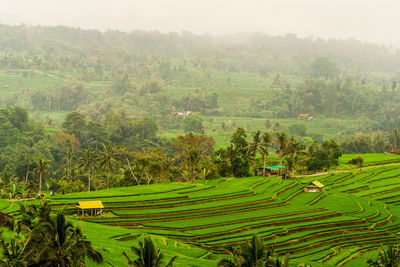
(367, 20)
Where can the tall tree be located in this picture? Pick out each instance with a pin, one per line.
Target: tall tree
(151, 164)
(322, 67)
(46, 241)
(266, 139)
(108, 161)
(88, 161)
(75, 123)
(62, 244)
(126, 155)
(395, 137)
(294, 151)
(193, 149)
(254, 147)
(281, 140)
(238, 153)
(41, 167)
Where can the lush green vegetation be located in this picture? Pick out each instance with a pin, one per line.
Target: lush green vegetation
(156, 125)
(355, 213)
(253, 81)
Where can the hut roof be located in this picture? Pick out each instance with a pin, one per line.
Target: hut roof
(90, 205)
(273, 167)
(318, 184)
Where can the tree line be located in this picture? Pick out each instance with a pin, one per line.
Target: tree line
(123, 151)
(293, 75)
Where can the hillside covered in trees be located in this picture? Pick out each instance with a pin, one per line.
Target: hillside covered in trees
(254, 81)
(242, 75)
(160, 125)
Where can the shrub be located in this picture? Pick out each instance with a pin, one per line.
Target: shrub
(356, 161)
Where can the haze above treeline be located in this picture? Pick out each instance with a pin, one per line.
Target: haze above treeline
(372, 21)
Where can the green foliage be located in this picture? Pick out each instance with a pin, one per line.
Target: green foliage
(294, 152)
(238, 153)
(252, 254)
(149, 166)
(75, 123)
(193, 124)
(227, 212)
(109, 161)
(199, 101)
(322, 67)
(66, 97)
(145, 129)
(121, 83)
(148, 255)
(298, 129)
(324, 156)
(46, 240)
(195, 151)
(356, 161)
(387, 257)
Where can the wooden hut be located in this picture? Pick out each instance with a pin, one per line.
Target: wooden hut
(393, 150)
(271, 171)
(89, 207)
(303, 116)
(314, 187)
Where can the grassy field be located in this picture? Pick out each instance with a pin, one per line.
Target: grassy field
(371, 158)
(235, 91)
(357, 211)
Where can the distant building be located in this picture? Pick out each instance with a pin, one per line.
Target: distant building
(182, 114)
(314, 187)
(395, 151)
(271, 171)
(305, 116)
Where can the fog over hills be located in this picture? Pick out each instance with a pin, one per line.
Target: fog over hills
(367, 20)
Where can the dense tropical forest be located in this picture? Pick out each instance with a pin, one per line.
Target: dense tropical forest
(174, 133)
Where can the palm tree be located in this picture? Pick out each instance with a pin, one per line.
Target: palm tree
(58, 243)
(235, 253)
(108, 161)
(252, 254)
(254, 147)
(69, 153)
(266, 139)
(270, 261)
(41, 167)
(87, 162)
(387, 257)
(13, 253)
(281, 140)
(7, 179)
(396, 135)
(294, 150)
(31, 216)
(148, 255)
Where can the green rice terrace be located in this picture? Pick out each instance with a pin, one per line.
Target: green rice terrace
(356, 212)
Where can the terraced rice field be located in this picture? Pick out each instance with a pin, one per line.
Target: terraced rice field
(356, 212)
(341, 226)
